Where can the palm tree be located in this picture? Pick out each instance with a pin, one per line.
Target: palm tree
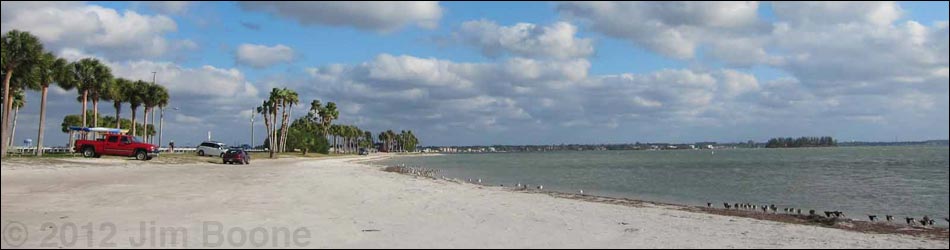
(18, 50)
(19, 100)
(115, 91)
(153, 95)
(163, 99)
(276, 100)
(134, 96)
(84, 77)
(266, 110)
(102, 76)
(327, 115)
(291, 98)
(48, 69)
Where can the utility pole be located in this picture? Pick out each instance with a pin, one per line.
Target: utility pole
(252, 128)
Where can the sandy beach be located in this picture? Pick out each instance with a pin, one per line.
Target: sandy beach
(344, 203)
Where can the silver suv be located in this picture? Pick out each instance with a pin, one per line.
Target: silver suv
(211, 148)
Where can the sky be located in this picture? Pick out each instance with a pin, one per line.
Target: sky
(488, 73)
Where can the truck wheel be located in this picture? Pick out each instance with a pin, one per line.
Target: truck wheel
(88, 152)
(201, 153)
(141, 155)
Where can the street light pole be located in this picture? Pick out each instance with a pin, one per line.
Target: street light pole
(252, 129)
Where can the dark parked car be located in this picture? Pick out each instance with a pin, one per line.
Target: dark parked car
(237, 156)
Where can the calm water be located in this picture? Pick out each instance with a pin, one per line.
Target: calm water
(901, 181)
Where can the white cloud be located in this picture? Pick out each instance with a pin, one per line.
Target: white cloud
(834, 13)
(375, 16)
(556, 41)
(169, 7)
(95, 29)
(674, 29)
(262, 56)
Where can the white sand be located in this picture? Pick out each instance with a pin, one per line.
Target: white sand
(337, 199)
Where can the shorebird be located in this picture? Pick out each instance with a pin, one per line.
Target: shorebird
(828, 214)
(910, 221)
(479, 181)
(926, 221)
(889, 218)
(709, 205)
(726, 205)
(872, 217)
(799, 211)
(947, 220)
(540, 187)
(812, 212)
(582, 192)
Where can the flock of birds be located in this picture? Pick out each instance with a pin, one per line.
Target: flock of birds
(925, 221)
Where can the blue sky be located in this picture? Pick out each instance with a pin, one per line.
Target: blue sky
(678, 72)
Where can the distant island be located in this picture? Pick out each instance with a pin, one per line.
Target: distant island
(803, 142)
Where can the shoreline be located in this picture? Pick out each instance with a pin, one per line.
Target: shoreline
(348, 203)
(847, 224)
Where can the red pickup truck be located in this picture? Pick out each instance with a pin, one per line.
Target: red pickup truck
(116, 145)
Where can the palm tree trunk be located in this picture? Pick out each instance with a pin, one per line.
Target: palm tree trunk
(145, 124)
(7, 101)
(39, 136)
(95, 112)
(151, 138)
(118, 117)
(273, 132)
(134, 113)
(85, 99)
(16, 113)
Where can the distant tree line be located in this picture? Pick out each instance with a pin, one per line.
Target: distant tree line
(803, 142)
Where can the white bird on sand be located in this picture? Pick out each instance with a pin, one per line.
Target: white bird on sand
(582, 191)
(540, 187)
(479, 181)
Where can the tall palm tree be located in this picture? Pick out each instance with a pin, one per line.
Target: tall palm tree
(19, 100)
(83, 78)
(276, 100)
(163, 98)
(291, 98)
(102, 76)
(48, 69)
(134, 95)
(266, 110)
(115, 91)
(18, 50)
(153, 95)
(327, 115)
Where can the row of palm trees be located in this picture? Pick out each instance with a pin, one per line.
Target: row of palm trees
(402, 142)
(348, 139)
(27, 66)
(343, 139)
